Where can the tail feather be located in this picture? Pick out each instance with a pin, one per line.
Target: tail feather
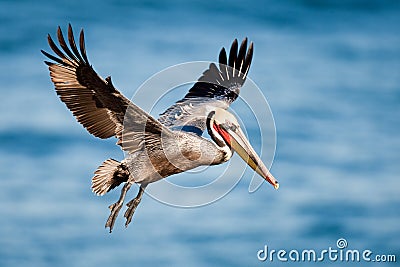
(110, 174)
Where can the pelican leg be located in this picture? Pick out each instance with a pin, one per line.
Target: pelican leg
(117, 206)
(132, 205)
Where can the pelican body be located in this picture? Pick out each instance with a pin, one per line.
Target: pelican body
(156, 148)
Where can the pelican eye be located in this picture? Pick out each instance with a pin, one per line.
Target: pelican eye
(229, 126)
(233, 127)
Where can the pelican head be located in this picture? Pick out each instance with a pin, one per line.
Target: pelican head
(225, 130)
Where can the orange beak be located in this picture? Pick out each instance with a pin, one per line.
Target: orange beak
(238, 141)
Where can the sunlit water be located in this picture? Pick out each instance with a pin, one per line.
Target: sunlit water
(330, 71)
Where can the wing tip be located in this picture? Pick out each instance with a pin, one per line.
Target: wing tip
(68, 54)
(222, 57)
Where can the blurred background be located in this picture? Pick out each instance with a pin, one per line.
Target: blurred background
(330, 71)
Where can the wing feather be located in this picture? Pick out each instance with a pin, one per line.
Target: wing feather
(233, 56)
(72, 43)
(82, 47)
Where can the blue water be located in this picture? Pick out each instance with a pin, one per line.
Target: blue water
(330, 71)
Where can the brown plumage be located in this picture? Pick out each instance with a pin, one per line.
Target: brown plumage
(155, 148)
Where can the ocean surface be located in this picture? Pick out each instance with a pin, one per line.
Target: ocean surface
(330, 71)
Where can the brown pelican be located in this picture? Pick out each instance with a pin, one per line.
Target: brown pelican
(155, 148)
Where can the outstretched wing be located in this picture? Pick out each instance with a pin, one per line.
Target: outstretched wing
(217, 87)
(224, 83)
(94, 101)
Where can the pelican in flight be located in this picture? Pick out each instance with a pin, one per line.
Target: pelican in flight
(155, 148)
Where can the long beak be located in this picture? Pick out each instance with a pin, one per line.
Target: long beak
(242, 146)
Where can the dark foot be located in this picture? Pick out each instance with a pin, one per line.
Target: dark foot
(116, 207)
(114, 214)
(132, 205)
